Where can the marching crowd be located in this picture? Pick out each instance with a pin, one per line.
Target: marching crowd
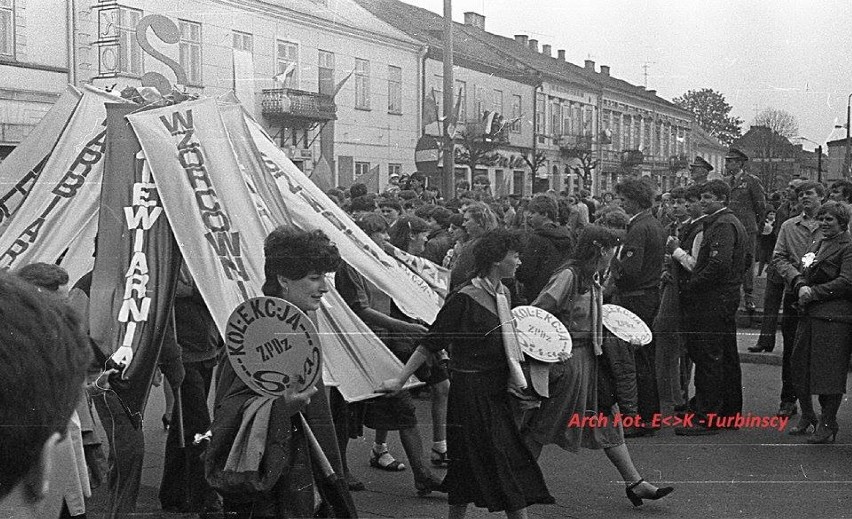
(682, 261)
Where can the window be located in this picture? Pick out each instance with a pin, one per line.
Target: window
(394, 90)
(478, 101)
(497, 102)
(361, 168)
(516, 114)
(461, 90)
(287, 63)
(243, 41)
(362, 85)
(326, 72)
(190, 50)
(7, 28)
(539, 112)
(130, 54)
(556, 117)
(394, 169)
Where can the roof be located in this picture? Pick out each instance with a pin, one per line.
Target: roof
(702, 138)
(427, 27)
(345, 13)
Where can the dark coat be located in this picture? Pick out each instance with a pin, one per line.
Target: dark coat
(544, 251)
(437, 245)
(641, 262)
(720, 264)
(748, 201)
(824, 337)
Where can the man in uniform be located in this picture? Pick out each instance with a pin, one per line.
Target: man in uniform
(637, 270)
(748, 203)
(710, 299)
(698, 170)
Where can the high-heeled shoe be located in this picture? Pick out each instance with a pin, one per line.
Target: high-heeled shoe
(824, 433)
(636, 499)
(806, 425)
(427, 486)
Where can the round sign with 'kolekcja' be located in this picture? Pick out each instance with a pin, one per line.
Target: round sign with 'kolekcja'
(273, 346)
(626, 325)
(542, 336)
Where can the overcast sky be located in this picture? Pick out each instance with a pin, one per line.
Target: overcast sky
(790, 55)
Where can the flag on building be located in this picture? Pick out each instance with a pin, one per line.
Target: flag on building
(430, 109)
(340, 84)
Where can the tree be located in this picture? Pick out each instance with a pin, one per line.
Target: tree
(472, 150)
(781, 122)
(712, 113)
(535, 162)
(583, 165)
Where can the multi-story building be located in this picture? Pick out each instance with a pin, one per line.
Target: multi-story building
(34, 70)
(286, 61)
(485, 82)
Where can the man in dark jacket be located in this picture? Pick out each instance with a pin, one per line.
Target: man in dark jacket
(439, 240)
(547, 246)
(710, 299)
(748, 203)
(637, 271)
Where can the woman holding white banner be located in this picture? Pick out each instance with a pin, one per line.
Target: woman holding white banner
(570, 417)
(280, 483)
(489, 464)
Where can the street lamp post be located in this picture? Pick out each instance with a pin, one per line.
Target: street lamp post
(847, 163)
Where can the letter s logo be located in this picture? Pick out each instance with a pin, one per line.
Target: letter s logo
(265, 379)
(168, 32)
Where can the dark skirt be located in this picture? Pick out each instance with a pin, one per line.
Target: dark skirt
(820, 358)
(391, 413)
(489, 464)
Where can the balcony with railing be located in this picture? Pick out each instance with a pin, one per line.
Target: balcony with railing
(572, 142)
(289, 103)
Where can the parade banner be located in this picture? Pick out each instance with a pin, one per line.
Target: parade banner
(22, 168)
(220, 233)
(355, 360)
(67, 191)
(136, 268)
(341, 350)
(435, 276)
(310, 208)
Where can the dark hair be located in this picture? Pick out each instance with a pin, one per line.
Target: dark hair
(845, 187)
(44, 275)
(362, 203)
(336, 193)
(406, 194)
(612, 218)
(546, 205)
(482, 179)
(718, 188)
(456, 219)
(393, 204)
(295, 254)
(836, 209)
(492, 247)
(678, 192)
(693, 192)
(593, 239)
(462, 184)
(637, 190)
(810, 184)
(442, 216)
(357, 189)
(404, 228)
(425, 211)
(43, 359)
(371, 223)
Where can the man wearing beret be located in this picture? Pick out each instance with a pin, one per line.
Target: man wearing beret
(698, 170)
(748, 203)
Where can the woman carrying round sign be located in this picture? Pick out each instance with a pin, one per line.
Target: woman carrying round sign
(575, 297)
(489, 465)
(281, 483)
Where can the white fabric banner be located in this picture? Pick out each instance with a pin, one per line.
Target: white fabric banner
(310, 208)
(67, 193)
(22, 168)
(212, 212)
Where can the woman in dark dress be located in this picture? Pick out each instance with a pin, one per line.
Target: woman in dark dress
(821, 351)
(489, 464)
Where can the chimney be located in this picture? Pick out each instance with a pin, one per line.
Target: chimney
(590, 65)
(545, 49)
(561, 54)
(533, 44)
(523, 39)
(605, 70)
(474, 20)
(652, 92)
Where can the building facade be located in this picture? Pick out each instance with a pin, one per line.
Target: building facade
(34, 64)
(327, 79)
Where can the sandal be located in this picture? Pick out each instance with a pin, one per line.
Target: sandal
(384, 461)
(439, 459)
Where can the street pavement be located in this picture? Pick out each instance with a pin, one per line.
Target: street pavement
(750, 473)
